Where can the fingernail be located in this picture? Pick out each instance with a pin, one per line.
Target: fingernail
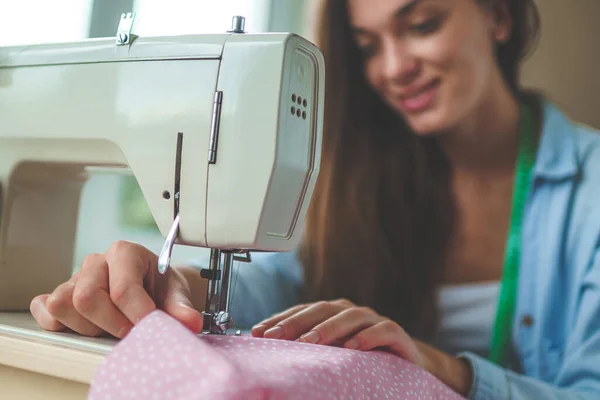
(258, 328)
(311, 337)
(123, 332)
(275, 333)
(353, 344)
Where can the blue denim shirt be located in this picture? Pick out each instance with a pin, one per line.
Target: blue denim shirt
(557, 319)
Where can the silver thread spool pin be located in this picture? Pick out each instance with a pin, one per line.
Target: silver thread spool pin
(238, 24)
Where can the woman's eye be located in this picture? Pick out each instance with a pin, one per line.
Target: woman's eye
(367, 50)
(426, 27)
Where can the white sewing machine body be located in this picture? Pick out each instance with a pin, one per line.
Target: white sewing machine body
(222, 131)
(65, 107)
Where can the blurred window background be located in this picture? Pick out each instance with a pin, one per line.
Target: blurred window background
(40, 21)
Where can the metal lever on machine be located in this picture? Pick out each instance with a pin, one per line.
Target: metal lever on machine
(217, 317)
(216, 314)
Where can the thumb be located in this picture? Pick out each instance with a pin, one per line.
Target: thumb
(178, 304)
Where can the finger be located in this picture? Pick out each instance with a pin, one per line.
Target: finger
(42, 316)
(40, 313)
(177, 302)
(292, 327)
(92, 300)
(385, 334)
(60, 306)
(128, 265)
(259, 329)
(341, 326)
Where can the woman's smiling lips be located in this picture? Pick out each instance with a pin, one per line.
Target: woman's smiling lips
(417, 99)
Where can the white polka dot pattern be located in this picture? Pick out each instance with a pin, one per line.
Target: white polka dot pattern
(161, 359)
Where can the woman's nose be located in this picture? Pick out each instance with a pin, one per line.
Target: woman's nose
(398, 64)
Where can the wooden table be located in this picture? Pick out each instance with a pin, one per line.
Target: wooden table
(37, 364)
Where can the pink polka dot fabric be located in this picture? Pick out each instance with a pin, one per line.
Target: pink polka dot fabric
(161, 359)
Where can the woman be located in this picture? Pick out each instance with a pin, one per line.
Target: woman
(455, 222)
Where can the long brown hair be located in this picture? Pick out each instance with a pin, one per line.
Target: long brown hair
(382, 214)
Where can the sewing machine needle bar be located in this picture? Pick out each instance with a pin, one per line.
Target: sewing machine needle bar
(226, 282)
(213, 282)
(165, 255)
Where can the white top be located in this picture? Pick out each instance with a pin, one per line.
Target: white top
(467, 316)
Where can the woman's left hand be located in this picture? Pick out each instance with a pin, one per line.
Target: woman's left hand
(340, 322)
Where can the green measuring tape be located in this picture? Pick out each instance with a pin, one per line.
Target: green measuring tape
(508, 293)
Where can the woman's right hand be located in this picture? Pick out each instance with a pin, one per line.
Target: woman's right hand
(113, 291)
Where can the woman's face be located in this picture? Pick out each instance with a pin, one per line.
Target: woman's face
(431, 60)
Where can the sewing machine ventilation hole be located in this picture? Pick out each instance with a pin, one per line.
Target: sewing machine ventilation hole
(302, 102)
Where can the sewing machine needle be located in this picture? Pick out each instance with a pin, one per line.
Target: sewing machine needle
(165, 255)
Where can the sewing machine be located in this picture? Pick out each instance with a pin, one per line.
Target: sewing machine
(222, 132)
